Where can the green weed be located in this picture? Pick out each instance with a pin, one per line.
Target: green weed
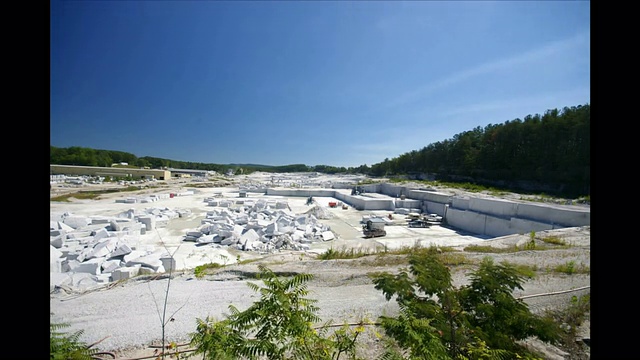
(93, 194)
(570, 268)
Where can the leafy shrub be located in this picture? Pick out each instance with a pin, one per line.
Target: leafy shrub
(483, 314)
(67, 346)
(278, 326)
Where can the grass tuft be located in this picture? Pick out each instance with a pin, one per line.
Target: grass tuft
(202, 270)
(570, 268)
(91, 195)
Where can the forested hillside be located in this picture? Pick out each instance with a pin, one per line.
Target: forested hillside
(547, 153)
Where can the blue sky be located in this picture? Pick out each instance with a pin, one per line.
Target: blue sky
(336, 83)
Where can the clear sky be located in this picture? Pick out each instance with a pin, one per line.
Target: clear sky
(340, 83)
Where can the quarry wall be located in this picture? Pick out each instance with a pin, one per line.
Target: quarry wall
(484, 216)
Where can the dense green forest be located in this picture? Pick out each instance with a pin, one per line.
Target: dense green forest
(547, 153)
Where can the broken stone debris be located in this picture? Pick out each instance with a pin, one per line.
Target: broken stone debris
(86, 252)
(261, 225)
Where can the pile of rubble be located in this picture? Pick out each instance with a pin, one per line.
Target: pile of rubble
(94, 250)
(320, 212)
(85, 251)
(262, 226)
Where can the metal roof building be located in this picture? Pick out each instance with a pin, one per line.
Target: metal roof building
(188, 172)
(110, 171)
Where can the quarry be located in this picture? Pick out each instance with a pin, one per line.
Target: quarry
(267, 213)
(105, 252)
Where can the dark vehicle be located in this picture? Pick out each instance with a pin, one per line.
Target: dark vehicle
(374, 228)
(419, 223)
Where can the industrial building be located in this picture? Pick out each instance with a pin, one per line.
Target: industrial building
(187, 172)
(158, 174)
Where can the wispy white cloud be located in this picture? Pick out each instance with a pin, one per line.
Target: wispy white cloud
(375, 152)
(375, 147)
(428, 125)
(540, 102)
(539, 54)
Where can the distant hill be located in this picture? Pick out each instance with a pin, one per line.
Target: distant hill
(547, 153)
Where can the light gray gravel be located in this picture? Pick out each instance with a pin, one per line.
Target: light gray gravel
(129, 314)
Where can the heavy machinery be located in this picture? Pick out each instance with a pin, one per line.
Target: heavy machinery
(374, 228)
(419, 223)
(433, 219)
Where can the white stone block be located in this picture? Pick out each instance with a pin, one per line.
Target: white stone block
(83, 281)
(327, 235)
(151, 261)
(59, 279)
(55, 259)
(125, 273)
(134, 255)
(251, 235)
(103, 278)
(100, 220)
(103, 248)
(91, 266)
(146, 271)
(77, 222)
(56, 241)
(109, 266)
(168, 263)
(228, 241)
(101, 234)
(122, 249)
(148, 221)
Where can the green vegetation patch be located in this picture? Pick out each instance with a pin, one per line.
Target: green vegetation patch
(209, 184)
(67, 345)
(490, 249)
(93, 194)
(554, 240)
(383, 256)
(78, 195)
(570, 268)
(345, 253)
(202, 270)
(527, 271)
(572, 316)
(353, 253)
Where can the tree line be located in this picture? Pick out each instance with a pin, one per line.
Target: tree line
(547, 153)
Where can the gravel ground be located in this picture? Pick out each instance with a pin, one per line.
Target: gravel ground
(129, 314)
(126, 318)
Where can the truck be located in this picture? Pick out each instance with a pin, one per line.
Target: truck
(374, 227)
